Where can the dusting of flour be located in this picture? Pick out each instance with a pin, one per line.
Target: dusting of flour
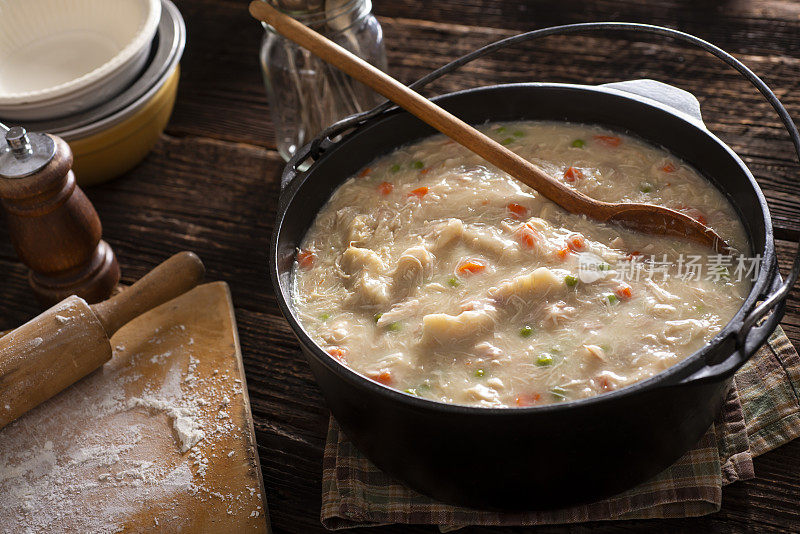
(135, 437)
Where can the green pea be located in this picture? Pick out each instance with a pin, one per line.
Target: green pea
(324, 316)
(579, 143)
(526, 331)
(501, 129)
(378, 317)
(411, 391)
(603, 267)
(395, 167)
(453, 282)
(559, 392)
(571, 280)
(519, 133)
(394, 327)
(507, 141)
(479, 373)
(645, 187)
(544, 359)
(418, 164)
(612, 299)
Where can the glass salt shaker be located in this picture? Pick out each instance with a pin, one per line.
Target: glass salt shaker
(305, 94)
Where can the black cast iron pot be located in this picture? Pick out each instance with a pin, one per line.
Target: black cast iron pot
(560, 454)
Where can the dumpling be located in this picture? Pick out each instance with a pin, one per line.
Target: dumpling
(363, 270)
(356, 259)
(541, 281)
(411, 266)
(443, 329)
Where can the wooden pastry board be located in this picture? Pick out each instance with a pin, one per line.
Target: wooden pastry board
(104, 455)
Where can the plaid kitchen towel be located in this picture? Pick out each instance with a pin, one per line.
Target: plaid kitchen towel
(762, 412)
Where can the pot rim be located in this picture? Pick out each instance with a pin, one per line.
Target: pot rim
(668, 377)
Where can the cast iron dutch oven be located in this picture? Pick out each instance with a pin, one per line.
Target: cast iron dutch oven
(560, 454)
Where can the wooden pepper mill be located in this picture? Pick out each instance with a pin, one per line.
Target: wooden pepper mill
(53, 226)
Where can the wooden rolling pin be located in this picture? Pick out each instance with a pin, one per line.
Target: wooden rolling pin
(72, 339)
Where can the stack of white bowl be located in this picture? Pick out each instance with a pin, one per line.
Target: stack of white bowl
(102, 74)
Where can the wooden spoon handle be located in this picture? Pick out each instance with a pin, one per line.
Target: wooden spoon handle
(173, 278)
(427, 111)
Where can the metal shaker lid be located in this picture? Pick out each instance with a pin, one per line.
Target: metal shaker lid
(23, 154)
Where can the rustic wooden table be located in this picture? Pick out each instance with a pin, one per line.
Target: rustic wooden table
(211, 186)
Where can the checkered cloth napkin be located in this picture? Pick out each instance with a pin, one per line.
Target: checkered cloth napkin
(762, 412)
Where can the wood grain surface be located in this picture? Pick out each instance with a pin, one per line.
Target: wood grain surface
(211, 186)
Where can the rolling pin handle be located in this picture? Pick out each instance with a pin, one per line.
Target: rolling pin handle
(173, 278)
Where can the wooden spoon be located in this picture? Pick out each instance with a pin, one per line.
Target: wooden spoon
(642, 217)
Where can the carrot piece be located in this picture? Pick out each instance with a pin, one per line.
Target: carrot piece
(527, 399)
(576, 242)
(419, 192)
(527, 236)
(518, 211)
(623, 291)
(338, 352)
(384, 376)
(572, 174)
(385, 188)
(471, 267)
(365, 172)
(608, 140)
(425, 170)
(306, 258)
(562, 253)
(669, 167)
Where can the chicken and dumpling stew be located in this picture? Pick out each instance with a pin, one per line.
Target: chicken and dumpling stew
(436, 274)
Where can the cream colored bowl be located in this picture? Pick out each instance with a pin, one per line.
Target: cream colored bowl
(59, 57)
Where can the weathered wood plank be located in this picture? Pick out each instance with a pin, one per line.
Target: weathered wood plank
(739, 25)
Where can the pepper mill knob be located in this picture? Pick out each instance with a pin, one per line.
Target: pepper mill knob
(53, 226)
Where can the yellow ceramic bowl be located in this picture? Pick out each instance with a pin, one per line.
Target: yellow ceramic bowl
(106, 154)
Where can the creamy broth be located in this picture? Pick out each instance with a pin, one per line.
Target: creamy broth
(436, 274)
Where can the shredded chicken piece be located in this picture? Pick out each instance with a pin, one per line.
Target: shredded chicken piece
(485, 349)
(496, 383)
(660, 293)
(448, 233)
(400, 311)
(608, 381)
(482, 393)
(593, 353)
(557, 313)
(683, 331)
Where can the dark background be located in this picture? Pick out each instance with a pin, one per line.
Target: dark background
(210, 186)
